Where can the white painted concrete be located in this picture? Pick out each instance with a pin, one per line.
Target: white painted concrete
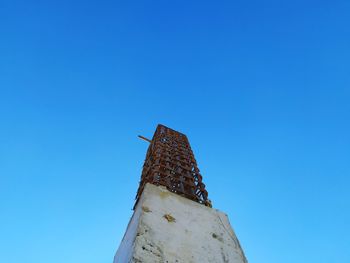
(168, 228)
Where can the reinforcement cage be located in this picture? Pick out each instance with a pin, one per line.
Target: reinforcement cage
(170, 162)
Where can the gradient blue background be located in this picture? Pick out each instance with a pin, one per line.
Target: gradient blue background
(261, 88)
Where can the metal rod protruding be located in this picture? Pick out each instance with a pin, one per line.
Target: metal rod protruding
(144, 138)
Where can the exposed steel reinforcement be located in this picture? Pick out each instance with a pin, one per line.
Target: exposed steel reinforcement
(170, 162)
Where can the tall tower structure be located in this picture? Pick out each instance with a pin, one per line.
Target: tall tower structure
(173, 218)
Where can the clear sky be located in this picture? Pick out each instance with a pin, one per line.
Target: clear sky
(261, 88)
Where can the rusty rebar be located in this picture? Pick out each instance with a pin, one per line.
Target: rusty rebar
(170, 162)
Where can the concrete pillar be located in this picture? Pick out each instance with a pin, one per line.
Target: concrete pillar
(166, 227)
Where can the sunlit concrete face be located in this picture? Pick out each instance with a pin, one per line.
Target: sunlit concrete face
(166, 227)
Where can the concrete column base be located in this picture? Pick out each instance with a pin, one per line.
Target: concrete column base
(166, 227)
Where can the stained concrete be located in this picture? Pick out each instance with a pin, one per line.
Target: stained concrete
(166, 227)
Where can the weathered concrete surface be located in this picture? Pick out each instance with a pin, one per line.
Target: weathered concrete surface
(166, 227)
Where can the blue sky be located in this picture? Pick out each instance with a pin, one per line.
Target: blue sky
(261, 88)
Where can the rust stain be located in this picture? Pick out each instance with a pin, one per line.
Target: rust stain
(146, 209)
(169, 217)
